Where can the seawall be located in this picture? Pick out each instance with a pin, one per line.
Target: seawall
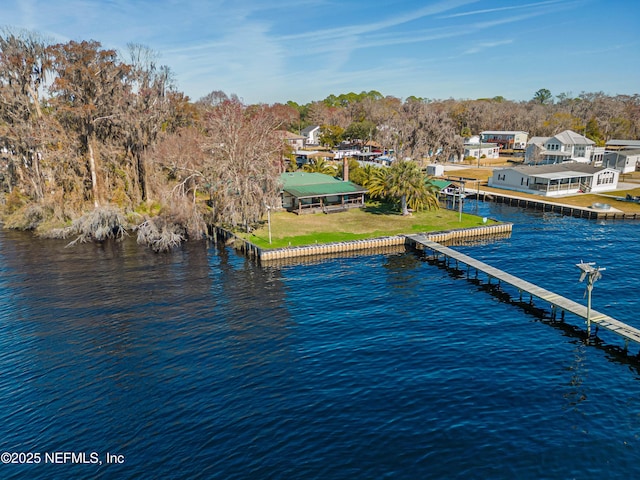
(397, 241)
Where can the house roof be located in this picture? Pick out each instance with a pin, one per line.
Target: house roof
(482, 145)
(559, 170)
(569, 137)
(305, 184)
(309, 129)
(502, 132)
(538, 140)
(624, 153)
(321, 155)
(286, 135)
(556, 153)
(441, 184)
(623, 143)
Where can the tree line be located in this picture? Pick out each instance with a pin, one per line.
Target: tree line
(95, 142)
(598, 116)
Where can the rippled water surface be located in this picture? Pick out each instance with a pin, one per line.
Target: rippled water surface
(200, 364)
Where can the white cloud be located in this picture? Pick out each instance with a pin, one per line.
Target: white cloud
(292, 49)
(479, 47)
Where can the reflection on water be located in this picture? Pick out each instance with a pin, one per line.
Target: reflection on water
(579, 370)
(202, 364)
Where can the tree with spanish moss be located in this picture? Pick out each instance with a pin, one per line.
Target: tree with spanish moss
(89, 91)
(24, 128)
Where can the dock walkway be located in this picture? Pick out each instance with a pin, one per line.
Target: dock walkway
(629, 333)
(552, 206)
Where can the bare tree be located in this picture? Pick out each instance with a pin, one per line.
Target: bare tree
(148, 109)
(243, 151)
(420, 130)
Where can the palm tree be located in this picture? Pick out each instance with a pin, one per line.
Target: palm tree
(433, 191)
(405, 181)
(319, 165)
(375, 180)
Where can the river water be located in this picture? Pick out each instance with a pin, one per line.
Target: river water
(119, 363)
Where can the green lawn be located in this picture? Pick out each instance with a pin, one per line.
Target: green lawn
(375, 220)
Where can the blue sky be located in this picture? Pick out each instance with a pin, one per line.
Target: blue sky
(304, 50)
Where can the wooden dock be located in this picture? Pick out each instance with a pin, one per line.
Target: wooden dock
(547, 206)
(627, 332)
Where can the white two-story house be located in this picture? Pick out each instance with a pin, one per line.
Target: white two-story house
(312, 135)
(564, 146)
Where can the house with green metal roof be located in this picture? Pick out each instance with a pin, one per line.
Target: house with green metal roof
(305, 192)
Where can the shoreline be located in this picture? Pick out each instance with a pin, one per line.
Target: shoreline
(261, 255)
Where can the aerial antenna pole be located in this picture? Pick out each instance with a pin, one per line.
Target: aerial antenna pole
(592, 274)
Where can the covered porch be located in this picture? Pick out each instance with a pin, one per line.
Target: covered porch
(305, 192)
(326, 203)
(561, 183)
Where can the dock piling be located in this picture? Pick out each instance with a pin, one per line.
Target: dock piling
(627, 332)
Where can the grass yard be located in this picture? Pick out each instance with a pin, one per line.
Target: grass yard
(375, 220)
(380, 220)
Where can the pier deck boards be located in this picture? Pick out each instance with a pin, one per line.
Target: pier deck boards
(553, 206)
(625, 331)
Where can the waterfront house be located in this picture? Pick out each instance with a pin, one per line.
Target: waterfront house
(623, 160)
(311, 134)
(613, 145)
(564, 146)
(473, 147)
(294, 140)
(509, 139)
(567, 178)
(372, 147)
(304, 192)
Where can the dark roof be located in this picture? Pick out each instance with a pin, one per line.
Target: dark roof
(304, 184)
